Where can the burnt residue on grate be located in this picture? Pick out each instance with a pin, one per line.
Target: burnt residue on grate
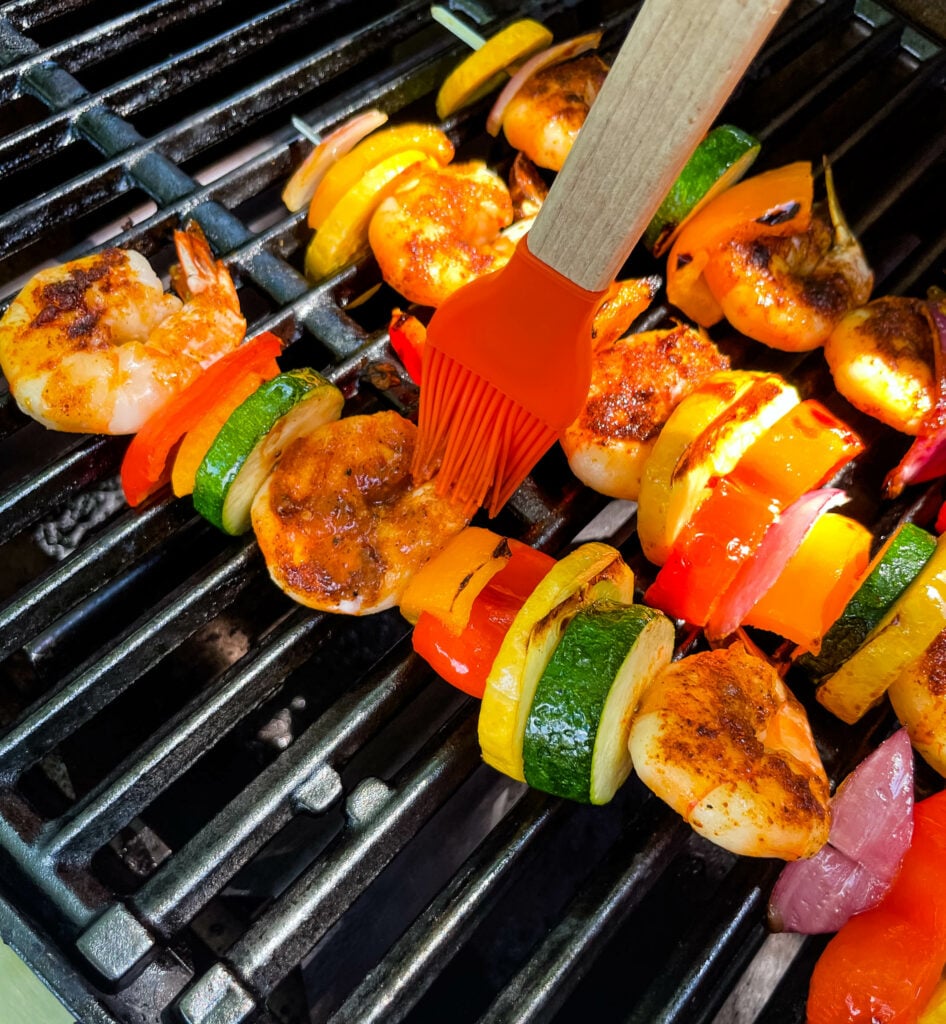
(216, 805)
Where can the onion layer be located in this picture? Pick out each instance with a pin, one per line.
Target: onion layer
(872, 825)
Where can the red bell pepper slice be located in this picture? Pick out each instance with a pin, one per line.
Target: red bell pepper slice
(407, 336)
(884, 963)
(465, 660)
(145, 466)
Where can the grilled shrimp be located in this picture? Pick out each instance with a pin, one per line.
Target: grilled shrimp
(441, 229)
(339, 522)
(96, 345)
(720, 738)
(881, 358)
(543, 118)
(789, 291)
(636, 381)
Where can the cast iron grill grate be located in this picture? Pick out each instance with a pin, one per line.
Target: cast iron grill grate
(217, 806)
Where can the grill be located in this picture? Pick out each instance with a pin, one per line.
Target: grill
(217, 806)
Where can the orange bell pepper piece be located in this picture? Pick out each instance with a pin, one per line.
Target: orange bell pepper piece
(465, 660)
(199, 438)
(776, 202)
(407, 336)
(816, 583)
(801, 451)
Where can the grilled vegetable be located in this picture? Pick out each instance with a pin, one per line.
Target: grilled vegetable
(449, 583)
(482, 71)
(464, 659)
(884, 964)
(251, 441)
(871, 828)
(575, 742)
(704, 437)
(343, 234)
(892, 569)
(379, 146)
(144, 467)
(910, 624)
(592, 572)
(308, 175)
(718, 162)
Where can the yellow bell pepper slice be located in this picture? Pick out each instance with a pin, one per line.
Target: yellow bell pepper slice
(348, 170)
(703, 438)
(344, 233)
(592, 572)
(911, 624)
(450, 582)
(482, 71)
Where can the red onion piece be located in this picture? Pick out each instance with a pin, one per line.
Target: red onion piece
(926, 457)
(301, 186)
(871, 830)
(872, 810)
(544, 58)
(759, 572)
(818, 895)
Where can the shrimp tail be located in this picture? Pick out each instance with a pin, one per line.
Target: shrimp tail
(197, 270)
(843, 236)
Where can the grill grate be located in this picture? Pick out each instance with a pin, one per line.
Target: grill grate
(217, 806)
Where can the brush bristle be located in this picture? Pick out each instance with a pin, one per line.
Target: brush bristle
(484, 443)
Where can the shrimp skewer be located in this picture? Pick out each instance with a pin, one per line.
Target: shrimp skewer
(789, 291)
(544, 117)
(441, 229)
(881, 358)
(636, 382)
(339, 522)
(720, 738)
(96, 345)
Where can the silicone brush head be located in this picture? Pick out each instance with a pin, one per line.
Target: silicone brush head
(507, 365)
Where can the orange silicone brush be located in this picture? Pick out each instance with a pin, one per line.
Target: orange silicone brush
(507, 360)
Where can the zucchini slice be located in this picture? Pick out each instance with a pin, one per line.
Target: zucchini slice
(252, 439)
(720, 160)
(576, 735)
(907, 628)
(592, 572)
(892, 570)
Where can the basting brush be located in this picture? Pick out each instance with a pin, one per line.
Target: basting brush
(507, 360)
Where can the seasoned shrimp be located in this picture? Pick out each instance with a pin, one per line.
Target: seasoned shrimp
(636, 382)
(96, 346)
(881, 358)
(339, 522)
(543, 118)
(441, 229)
(789, 291)
(720, 738)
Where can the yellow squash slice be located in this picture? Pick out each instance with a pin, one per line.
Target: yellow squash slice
(592, 572)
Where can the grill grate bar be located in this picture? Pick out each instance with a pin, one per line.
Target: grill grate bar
(90, 688)
(169, 899)
(380, 821)
(35, 607)
(97, 44)
(152, 163)
(393, 988)
(173, 749)
(701, 969)
(616, 889)
(90, 459)
(875, 45)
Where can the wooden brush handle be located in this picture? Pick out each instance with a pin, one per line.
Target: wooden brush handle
(671, 77)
